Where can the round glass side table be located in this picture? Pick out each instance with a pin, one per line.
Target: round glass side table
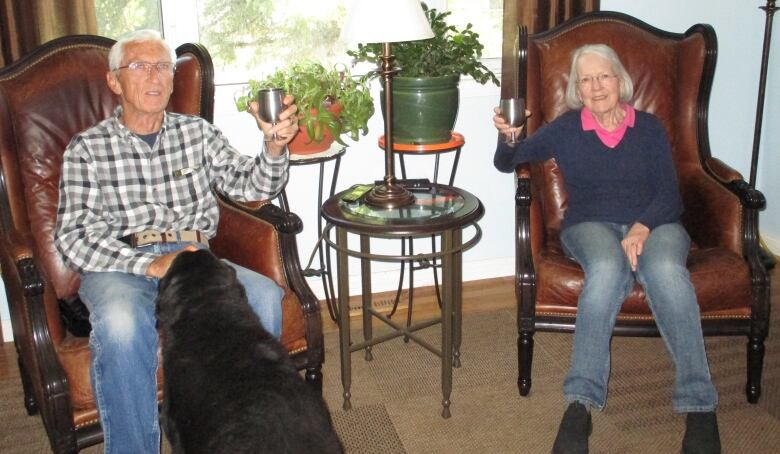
(441, 210)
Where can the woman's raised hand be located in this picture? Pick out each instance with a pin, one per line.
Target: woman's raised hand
(503, 127)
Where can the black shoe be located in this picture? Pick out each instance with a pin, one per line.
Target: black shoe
(574, 431)
(701, 434)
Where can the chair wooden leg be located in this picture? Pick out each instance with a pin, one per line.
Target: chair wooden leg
(525, 356)
(314, 377)
(29, 396)
(755, 365)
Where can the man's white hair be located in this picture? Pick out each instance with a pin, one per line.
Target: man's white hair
(117, 52)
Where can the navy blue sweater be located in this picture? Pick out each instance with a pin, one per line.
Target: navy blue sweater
(633, 182)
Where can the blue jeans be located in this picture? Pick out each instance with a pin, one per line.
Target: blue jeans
(662, 272)
(123, 342)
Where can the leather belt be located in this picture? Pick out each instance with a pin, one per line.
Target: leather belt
(172, 236)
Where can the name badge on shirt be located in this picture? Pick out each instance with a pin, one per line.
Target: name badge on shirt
(186, 171)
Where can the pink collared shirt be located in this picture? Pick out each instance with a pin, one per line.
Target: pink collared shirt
(608, 138)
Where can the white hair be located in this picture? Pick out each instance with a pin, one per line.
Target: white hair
(606, 52)
(117, 52)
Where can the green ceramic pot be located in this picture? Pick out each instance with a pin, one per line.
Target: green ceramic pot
(424, 108)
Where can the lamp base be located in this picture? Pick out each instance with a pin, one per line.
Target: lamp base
(389, 196)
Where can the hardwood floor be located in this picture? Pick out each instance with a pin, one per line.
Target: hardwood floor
(8, 367)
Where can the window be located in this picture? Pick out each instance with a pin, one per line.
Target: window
(486, 17)
(117, 17)
(248, 39)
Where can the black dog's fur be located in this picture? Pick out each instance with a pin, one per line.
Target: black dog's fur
(229, 385)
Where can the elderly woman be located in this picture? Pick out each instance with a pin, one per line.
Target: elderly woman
(622, 225)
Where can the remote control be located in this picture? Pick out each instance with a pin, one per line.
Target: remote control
(412, 184)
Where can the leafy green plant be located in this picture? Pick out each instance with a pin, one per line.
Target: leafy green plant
(326, 98)
(449, 52)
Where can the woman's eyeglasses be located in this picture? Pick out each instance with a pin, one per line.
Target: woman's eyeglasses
(601, 78)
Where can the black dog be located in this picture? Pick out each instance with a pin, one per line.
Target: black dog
(229, 385)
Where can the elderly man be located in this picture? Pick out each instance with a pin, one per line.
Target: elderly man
(146, 170)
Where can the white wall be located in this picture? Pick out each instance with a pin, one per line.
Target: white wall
(740, 30)
(739, 26)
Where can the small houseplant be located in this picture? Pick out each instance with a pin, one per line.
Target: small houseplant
(330, 103)
(430, 66)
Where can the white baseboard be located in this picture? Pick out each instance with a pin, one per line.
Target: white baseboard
(772, 243)
(383, 281)
(8, 334)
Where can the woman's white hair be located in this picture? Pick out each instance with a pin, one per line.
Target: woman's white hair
(604, 51)
(117, 52)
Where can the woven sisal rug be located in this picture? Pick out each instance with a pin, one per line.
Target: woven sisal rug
(396, 398)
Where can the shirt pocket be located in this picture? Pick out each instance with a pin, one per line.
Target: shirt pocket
(187, 184)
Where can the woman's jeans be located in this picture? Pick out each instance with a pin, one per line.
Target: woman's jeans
(123, 342)
(662, 272)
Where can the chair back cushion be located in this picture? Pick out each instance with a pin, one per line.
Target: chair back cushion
(672, 75)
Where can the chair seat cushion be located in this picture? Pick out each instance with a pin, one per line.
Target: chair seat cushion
(720, 277)
(74, 355)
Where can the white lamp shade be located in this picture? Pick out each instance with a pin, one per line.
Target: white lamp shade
(385, 21)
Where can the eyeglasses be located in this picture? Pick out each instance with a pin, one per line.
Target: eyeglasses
(164, 67)
(601, 78)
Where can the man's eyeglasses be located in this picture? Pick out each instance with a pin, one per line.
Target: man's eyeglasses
(601, 78)
(163, 67)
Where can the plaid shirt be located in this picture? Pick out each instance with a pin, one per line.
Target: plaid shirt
(113, 184)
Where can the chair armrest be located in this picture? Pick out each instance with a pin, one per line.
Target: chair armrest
(749, 197)
(722, 210)
(24, 286)
(721, 171)
(525, 273)
(527, 204)
(261, 236)
(19, 246)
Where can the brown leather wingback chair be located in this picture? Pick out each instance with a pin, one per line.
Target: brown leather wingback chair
(672, 75)
(45, 98)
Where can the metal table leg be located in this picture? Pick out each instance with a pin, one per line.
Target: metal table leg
(342, 270)
(457, 295)
(448, 287)
(365, 282)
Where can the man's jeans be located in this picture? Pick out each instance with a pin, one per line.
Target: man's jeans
(661, 271)
(123, 342)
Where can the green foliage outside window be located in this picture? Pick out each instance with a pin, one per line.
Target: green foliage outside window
(255, 32)
(118, 17)
(240, 34)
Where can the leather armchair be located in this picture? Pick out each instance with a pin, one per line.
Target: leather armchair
(45, 98)
(672, 75)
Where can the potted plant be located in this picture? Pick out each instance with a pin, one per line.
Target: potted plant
(330, 103)
(425, 93)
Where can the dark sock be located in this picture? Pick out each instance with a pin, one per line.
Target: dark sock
(701, 434)
(574, 431)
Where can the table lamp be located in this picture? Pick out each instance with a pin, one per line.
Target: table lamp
(386, 22)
